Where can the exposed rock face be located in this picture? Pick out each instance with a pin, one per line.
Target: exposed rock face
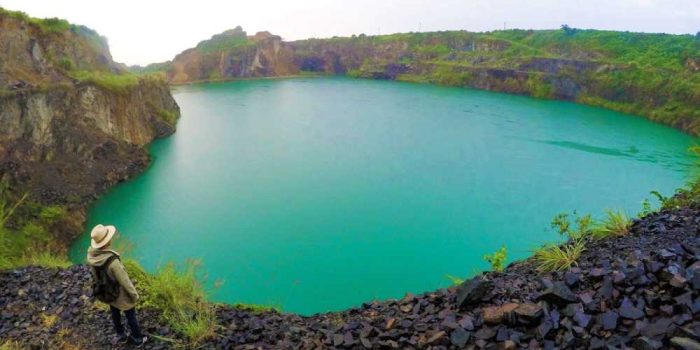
(66, 141)
(233, 54)
(589, 67)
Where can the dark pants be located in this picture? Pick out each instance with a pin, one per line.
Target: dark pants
(130, 320)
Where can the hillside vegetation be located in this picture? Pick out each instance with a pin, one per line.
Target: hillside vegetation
(654, 75)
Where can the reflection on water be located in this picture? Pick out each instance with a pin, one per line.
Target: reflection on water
(667, 159)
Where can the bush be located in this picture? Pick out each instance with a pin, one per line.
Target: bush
(616, 223)
(497, 259)
(179, 296)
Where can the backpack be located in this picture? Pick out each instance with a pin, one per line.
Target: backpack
(105, 288)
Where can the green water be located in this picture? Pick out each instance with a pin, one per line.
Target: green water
(319, 194)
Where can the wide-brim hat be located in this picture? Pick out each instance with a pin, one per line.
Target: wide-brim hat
(101, 235)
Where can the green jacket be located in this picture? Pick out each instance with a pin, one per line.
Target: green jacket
(127, 293)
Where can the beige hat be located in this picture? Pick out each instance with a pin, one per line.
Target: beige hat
(101, 235)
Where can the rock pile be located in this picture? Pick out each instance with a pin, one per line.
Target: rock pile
(641, 291)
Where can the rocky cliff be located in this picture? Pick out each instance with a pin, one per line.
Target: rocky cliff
(655, 75)
(233, 54)
(72, 122)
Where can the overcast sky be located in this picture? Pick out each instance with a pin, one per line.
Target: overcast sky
(147, 31)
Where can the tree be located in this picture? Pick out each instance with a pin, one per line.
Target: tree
(568, 30)
(697, 36)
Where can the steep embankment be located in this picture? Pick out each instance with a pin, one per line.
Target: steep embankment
(72, 122)
(640, 291)
(655, 75)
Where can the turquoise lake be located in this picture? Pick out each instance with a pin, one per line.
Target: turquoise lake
(317, 194)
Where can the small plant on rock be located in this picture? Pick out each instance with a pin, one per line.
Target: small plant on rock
(616, 223)
(455, 280)
(552, 257)
(497, 259)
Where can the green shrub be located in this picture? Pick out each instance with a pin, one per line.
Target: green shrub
(167, 116)
(52, 25)
(66, 64)
(561, 223)
(616, 223)
(51, 214)
(179, 296)
(497, 259)
(646, 209)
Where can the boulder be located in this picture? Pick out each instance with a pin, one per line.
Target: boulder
(473, 291)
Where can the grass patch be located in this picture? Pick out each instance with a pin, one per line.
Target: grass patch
(164, 114)
(256, 308)
(48, 320)
(615, 224)
(120, 83)
(180, 297)
(46, 259)
(10, 345)
(553, 257)
(32, 243)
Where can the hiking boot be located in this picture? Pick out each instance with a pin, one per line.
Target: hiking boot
(138, 342)
(122, 338)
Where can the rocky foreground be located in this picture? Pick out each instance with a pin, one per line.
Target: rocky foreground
(640, 291)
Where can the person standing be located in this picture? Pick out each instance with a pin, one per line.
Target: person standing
(112, 284)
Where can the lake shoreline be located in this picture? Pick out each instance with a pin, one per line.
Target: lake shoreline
(411, 184)
(620, 293)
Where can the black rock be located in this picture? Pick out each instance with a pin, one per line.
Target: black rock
(571, 278)
(645, 343)
(606, 290)
(609, 320)
(485, 333)
(473, 291)
(582, 319)
(544, 328)
(597, 272)
(678, 281)
(628, 310)
(459, 337)
(528, 313)
(558, 294)
(657, 328)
